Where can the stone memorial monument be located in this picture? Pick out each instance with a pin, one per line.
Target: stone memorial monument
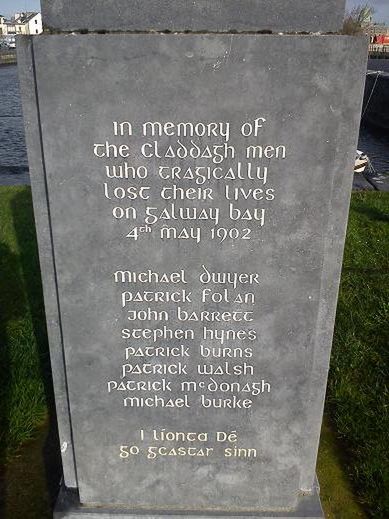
(191, 168)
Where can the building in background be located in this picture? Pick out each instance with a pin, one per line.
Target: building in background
(21, 23)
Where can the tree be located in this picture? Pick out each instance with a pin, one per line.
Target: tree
(358, 20)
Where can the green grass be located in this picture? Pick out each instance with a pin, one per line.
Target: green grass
(336, 492)
(367, 246)
(23, 344)
(357, 393)
(355, 446)
(29, 482)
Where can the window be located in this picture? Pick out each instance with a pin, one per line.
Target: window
(36, 31)
(36, 21)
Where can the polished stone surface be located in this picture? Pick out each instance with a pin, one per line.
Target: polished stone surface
(312, 110)
(202, 15)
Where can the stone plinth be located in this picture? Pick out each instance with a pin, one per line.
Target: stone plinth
(191, 195)
(199, 15)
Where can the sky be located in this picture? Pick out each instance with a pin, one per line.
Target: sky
(381, 7)
(8, 7)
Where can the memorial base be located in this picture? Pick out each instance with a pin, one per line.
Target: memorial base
(68, 507)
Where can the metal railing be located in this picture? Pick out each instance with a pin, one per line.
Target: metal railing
(378, 51)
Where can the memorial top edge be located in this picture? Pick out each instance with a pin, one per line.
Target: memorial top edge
(199, 15)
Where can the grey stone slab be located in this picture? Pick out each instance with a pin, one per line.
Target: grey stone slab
(68, 507)
(199, 15)
(36, 162)
(308, 90)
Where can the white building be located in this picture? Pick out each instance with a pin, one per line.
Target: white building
(21, 23)
(33, 23)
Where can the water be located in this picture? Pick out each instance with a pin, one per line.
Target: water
(378, 64)
(13, 156)
(375, 144)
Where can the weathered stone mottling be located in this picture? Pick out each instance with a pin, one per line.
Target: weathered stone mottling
(199, 15)
(312, 107)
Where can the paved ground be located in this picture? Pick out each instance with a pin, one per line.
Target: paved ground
(371, 182)
(361, 184)
(379, 181)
